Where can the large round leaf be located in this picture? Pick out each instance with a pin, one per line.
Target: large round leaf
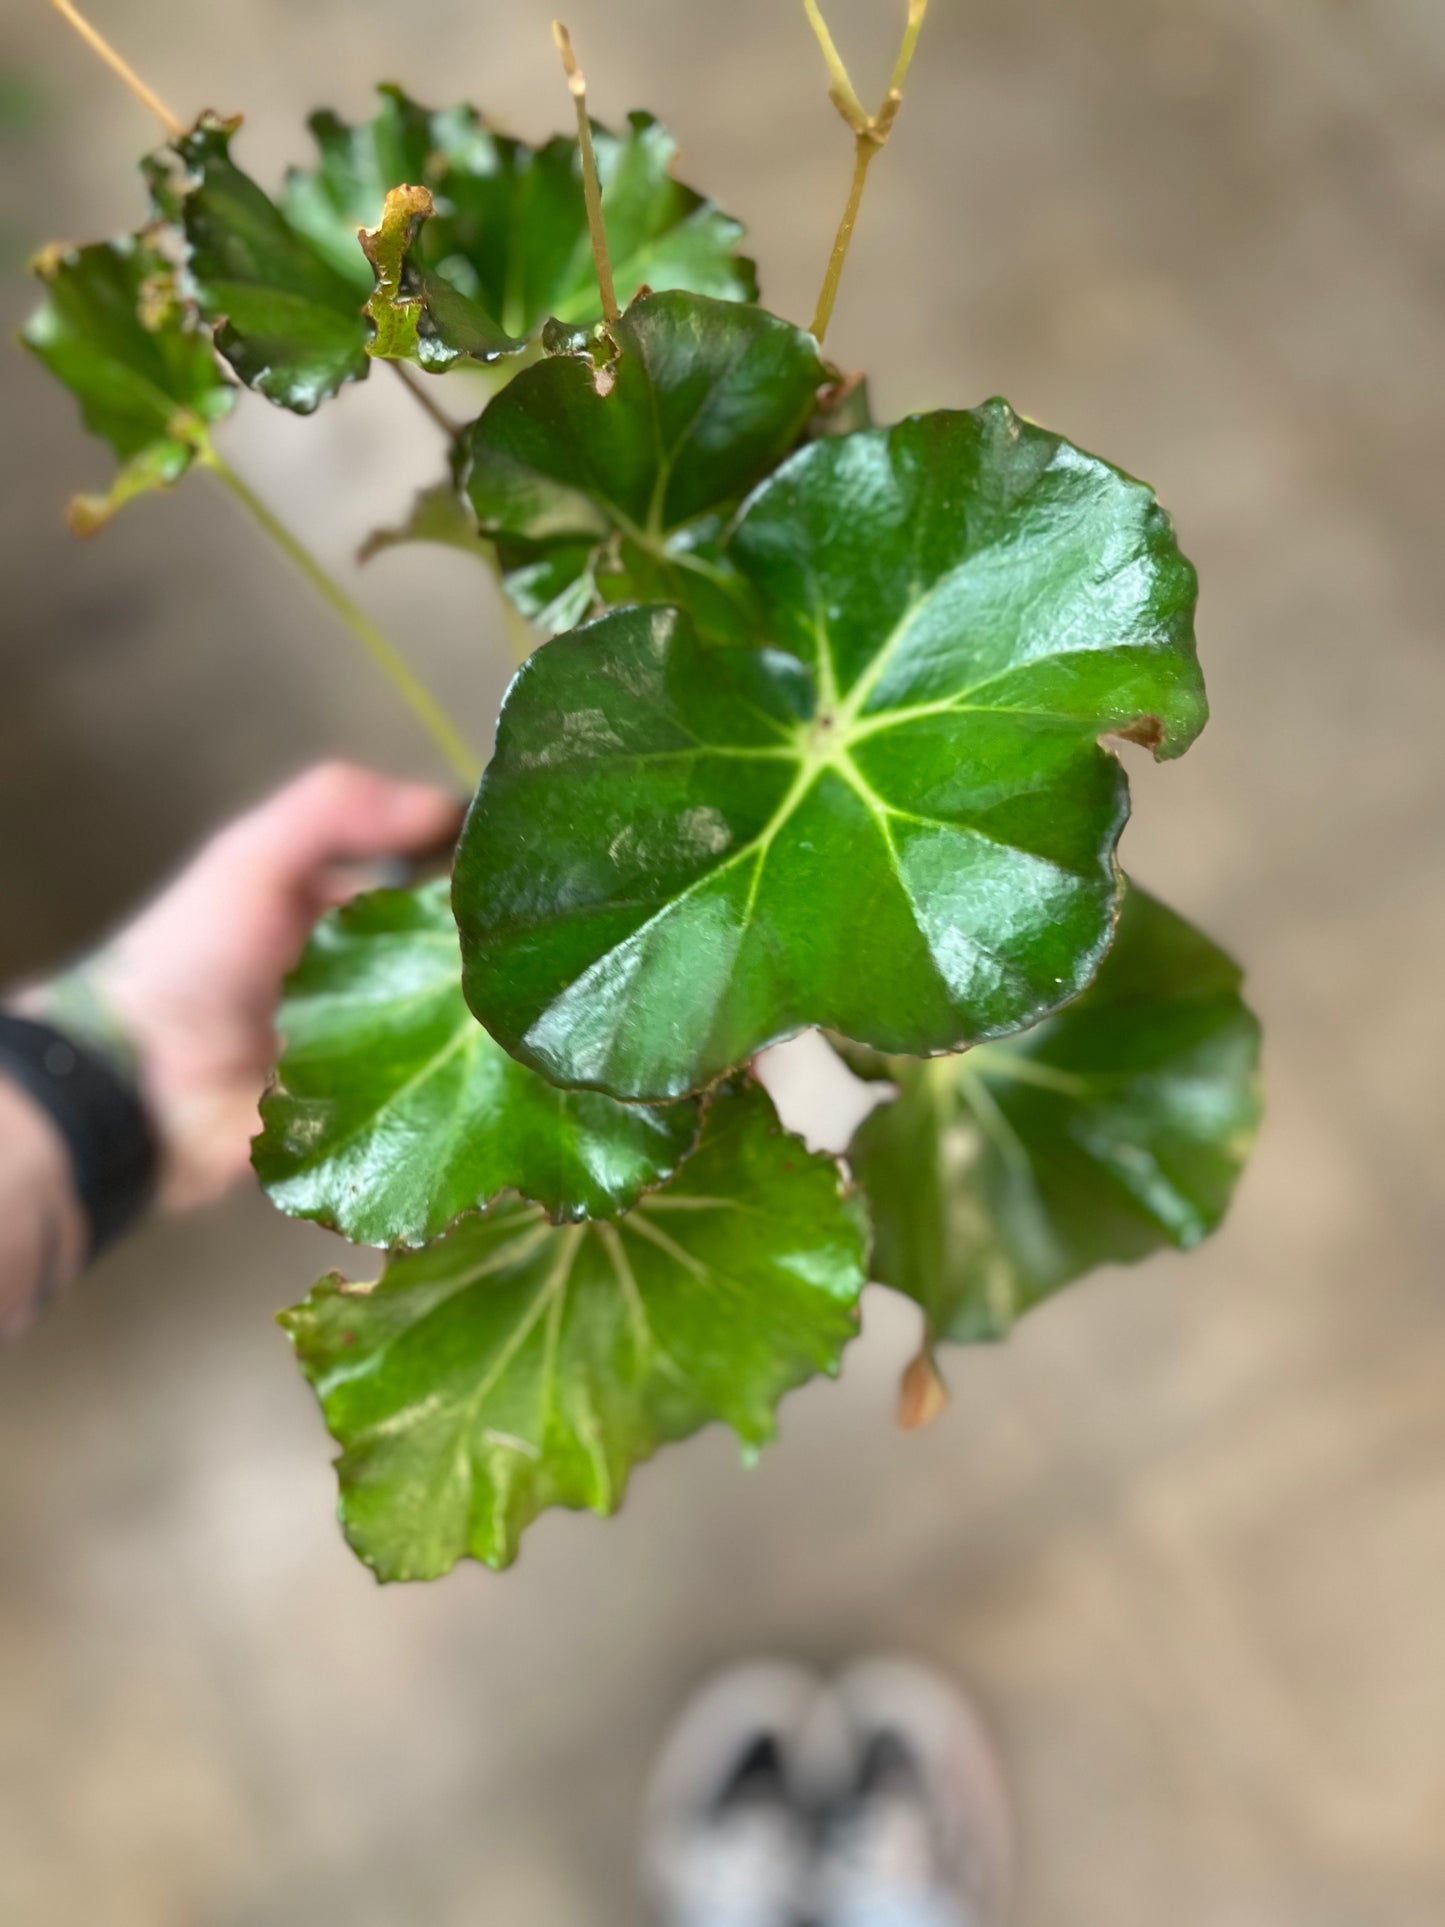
(896, 822)
(393, 1111)
(1115, 1128)
(514, 1366)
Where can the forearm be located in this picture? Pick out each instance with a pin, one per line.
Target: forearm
(43, 1233)
(131, 1080)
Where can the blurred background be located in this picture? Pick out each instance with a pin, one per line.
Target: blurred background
(1184, 1535)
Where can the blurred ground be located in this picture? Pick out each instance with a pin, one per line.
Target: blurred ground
(1185, 1534)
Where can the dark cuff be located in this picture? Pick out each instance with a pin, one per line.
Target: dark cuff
(97, 1112)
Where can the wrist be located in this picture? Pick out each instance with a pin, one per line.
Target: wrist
(43, 1230)
(95, 1109)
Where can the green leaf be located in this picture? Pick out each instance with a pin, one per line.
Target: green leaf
(438, 514)
(510, 230)
(393, 1111)
(358, 166)
(660, 234)
(113, 329)
(514, 1366)
(897, 823)
(506, 247)
(288, 321)
(1115, 1128)
(622, 474)
(417, 315)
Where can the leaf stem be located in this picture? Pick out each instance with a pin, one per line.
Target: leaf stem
(100, 46)
(413, 692)
(863, 151)
(591, 186)
(841, 90)
(416, 388)
(870, 135)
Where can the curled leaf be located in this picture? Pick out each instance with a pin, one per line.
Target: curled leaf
(115, 330)
(288, 322)
(417, 315)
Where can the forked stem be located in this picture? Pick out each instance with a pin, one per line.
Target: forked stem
(398, 672)
(123, 70)
(591, 186)
(870, 134)
(841, 90)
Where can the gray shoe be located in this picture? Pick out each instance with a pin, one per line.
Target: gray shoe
(917, 1833)
(726, 1843)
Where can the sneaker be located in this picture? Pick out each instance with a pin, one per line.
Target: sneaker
(726, 1844)
(917, 1832)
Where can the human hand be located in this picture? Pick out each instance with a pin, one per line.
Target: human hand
(194, 980)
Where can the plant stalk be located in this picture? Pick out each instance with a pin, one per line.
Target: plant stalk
(870, 135)
(100, 46)
(393, 665)
(591, 186)
(416, 388)
(407, 684)
(863, 151)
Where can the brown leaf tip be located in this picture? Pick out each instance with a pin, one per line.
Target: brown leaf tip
(922, 1395)
(1147, 731)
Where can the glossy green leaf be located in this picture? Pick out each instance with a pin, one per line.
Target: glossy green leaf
(618, 476)
(1117, 1127)
(511, 226)
(287, 320)
(113, 328)
(358, 165)
(393, 1111)
(509, 235)
(514, 1366)
(896, 821)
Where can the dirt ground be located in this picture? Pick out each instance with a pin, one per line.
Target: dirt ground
(1184, 1535)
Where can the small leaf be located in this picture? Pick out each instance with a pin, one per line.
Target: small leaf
(1118, 1126)
(623, 474)
(113, 329)
(894, 821)
(286, 320)
(513, 1366)
(393, 1111)
(438, 514)
(417, 315)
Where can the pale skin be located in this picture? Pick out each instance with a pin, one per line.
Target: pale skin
(193, 983)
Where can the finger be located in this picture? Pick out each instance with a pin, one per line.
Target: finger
(337, 813)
